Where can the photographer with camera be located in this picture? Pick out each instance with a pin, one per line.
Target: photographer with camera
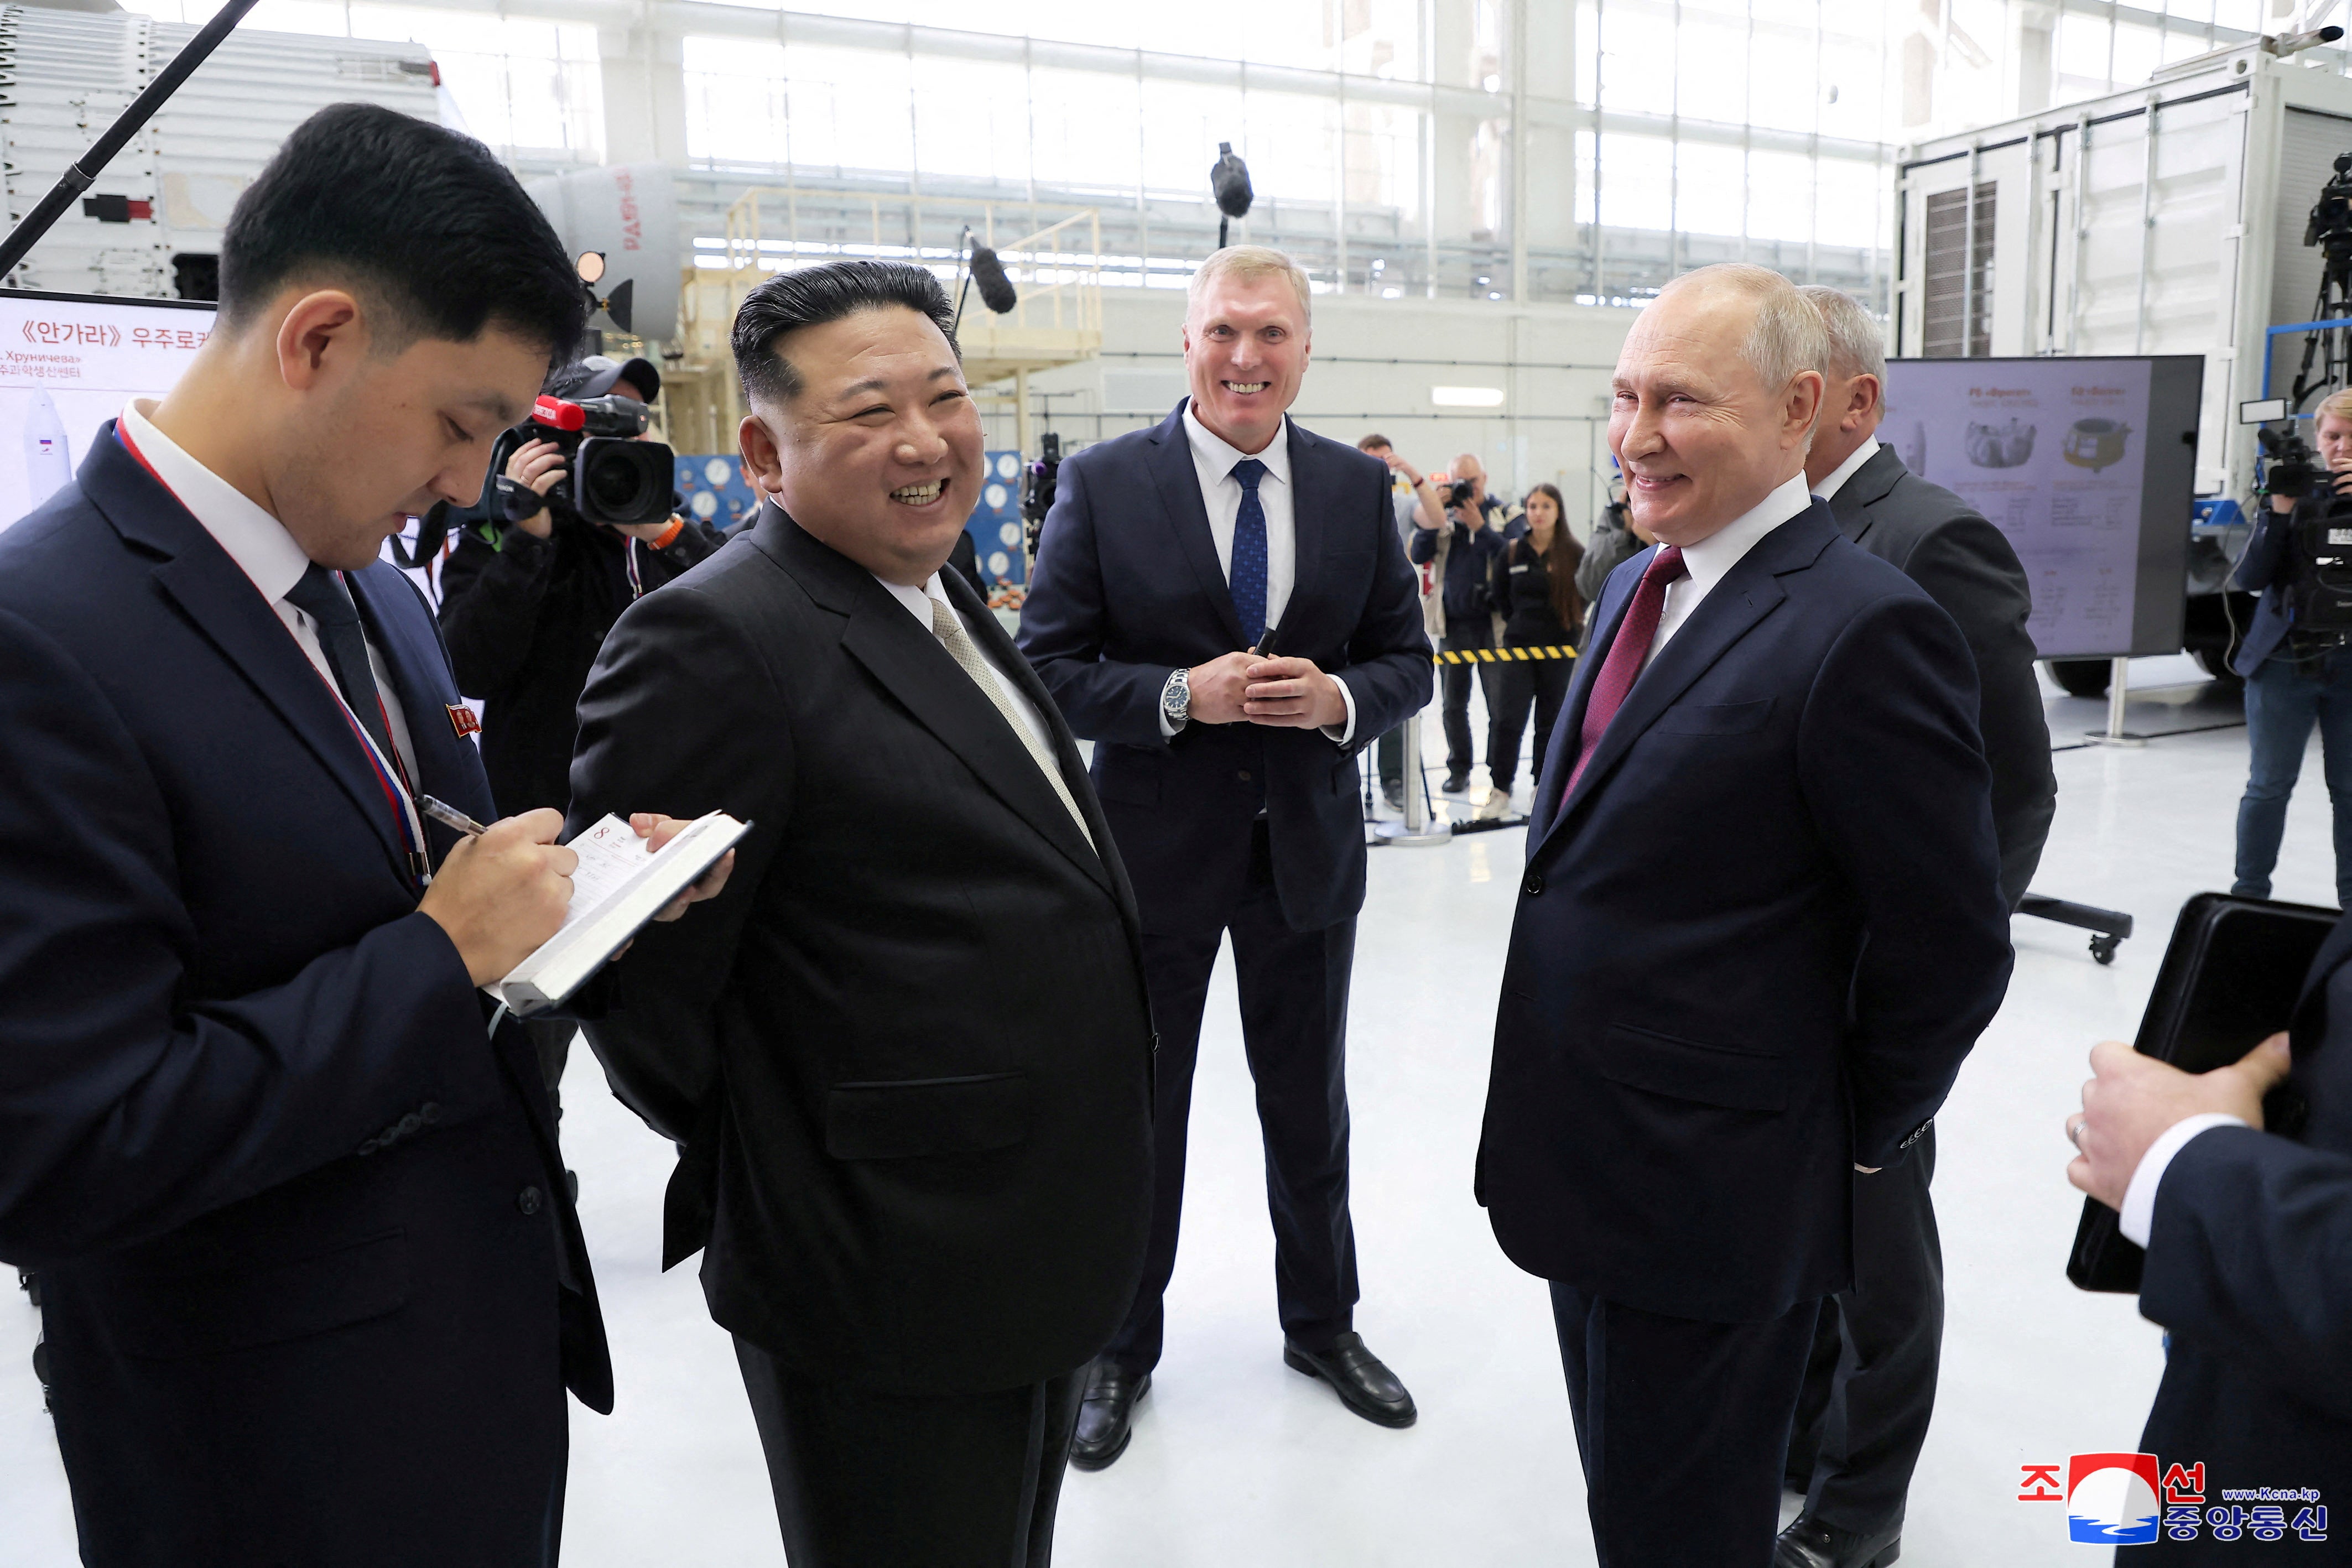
(1464, 549)
(2295, 657)
(537, 579)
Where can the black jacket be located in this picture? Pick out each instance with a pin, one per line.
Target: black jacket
(1752, 949)
(1970, 568)
(907, 1051)
(1613, 544)
(524, 618)
(311, 1283)
(2249, 1266)
(1128, 587)
(1522, 588)
(1467, 591)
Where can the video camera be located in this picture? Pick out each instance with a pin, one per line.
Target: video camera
(610, 476)
(2319, 592)
(2290, 467)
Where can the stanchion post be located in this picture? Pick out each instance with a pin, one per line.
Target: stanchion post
(2118, 701)
(1416, 828)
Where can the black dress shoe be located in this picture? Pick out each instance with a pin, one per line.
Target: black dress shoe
(1362, 1381)
(1456, 784)
(1811, 1543)
(1106, 1415)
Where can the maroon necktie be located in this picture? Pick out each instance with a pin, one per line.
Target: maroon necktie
(1625, 655)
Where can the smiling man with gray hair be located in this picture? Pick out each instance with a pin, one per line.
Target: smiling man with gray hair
(1758, 930)
(1871, 1387)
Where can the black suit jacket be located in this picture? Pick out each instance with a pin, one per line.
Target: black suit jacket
(1752, 951)
(312, 1283)
(1128, 589)
(906, 1050)
(2249, 1267)
(1970, 568)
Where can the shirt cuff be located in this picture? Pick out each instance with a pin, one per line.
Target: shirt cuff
(2140, 1198)
(1348, 729)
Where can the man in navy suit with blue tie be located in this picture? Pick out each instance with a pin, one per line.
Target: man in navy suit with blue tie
(1221, 604)
(312, 1283)
(1760, 926)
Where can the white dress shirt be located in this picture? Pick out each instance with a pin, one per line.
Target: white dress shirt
(266, 554)
(918, 602)
(1214, 459)
(1709, 559)
(2138, 1216)
(1834, 480)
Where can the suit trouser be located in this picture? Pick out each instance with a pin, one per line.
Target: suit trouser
(1294, 1001)
(1464, 632)
(1682, 1426)
(1542, 686)
(1870, 1388)
(865, 1479)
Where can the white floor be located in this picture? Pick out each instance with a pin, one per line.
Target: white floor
(1238, 1461)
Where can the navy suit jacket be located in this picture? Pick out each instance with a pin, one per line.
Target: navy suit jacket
(1128, 589)
(312, 1283)
(1753, 949)
(2249, 1267)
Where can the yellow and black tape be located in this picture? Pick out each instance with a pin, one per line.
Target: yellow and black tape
(1503, 655)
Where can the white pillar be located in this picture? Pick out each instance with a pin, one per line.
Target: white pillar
(644, 72)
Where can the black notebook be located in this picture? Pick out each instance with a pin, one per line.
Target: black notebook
(2231, 978)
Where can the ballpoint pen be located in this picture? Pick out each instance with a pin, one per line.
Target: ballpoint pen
(449, 816)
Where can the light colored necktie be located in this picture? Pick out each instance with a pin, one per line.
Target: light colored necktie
(964, 652)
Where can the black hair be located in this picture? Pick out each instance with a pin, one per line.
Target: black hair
(424, 223)
(813, 296)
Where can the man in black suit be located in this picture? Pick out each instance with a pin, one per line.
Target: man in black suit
(1758, 931)
(1870, 1388)
(2248, 1239)
(312, 1286)
(1221, 604)
(921, 1215)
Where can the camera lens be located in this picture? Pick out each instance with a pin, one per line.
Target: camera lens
(623, 481)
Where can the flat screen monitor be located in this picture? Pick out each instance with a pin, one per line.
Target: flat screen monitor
(67, 364)
(2087, 464)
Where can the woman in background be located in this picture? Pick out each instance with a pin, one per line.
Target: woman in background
(1536, 594)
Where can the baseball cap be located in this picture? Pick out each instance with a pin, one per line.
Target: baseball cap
(595, 375)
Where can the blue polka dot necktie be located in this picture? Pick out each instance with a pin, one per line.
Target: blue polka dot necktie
(1247, 577)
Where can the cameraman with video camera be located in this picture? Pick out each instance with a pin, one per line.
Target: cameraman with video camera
(2296, 657)
(1463, 546)
(536, 578)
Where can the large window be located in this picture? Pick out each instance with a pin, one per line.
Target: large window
(533, 89)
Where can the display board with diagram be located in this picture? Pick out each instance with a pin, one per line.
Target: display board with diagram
(67, 364)
(2086, 465)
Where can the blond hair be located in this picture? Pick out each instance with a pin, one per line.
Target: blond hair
(1788, 338)
(2339, 404)
(1856, 346)
(1247, 264)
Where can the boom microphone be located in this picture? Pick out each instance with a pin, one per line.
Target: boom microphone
(996, 290)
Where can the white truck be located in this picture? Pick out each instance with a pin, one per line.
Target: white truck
(2164, 219)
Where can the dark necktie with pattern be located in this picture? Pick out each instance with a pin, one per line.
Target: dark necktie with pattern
(1247, 575)
(1626, 652)
(322, 597)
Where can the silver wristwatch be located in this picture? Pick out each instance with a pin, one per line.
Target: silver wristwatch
(1176, 698)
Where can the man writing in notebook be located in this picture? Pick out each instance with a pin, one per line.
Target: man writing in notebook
(311, 1285)
(919, 1220)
